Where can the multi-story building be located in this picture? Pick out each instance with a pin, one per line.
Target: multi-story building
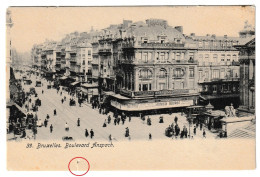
(246, 49)
(218, 69)
(36, 56)
(148, 66)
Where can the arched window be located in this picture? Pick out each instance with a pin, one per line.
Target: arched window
(162, 73)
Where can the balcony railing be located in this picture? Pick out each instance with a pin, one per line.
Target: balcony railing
(157, 93)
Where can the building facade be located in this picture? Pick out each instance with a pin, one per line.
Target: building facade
(147, 66)
(247, 68)
(218, 69)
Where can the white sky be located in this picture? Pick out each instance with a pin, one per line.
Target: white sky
(35, 24)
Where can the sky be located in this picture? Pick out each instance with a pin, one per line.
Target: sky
(32, 25)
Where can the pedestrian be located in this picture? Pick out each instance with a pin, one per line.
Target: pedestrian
(61, 93)
(86, 133)
(78, 122)
(115, 121)
(62, 100)
(55, 112)
(91, 133)
(109, 119)
(47, 116)
(176, 119)
(105, 123)
(123, 121)
(66, 127)
(150, 136)
(42, 91)
(204, 133)
(200, 126)
(45, 122)
(129, 118)
(51, 128)
(110, 137)
(127, 132)
(194, 130)
(118, 121)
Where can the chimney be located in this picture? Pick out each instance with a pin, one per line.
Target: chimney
(213, 36)
(179, 28)
(192, 34)
(225, 36)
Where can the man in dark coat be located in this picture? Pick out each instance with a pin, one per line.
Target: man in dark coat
(45, 122)
(86, 132)
(91, 133)
(78, 122)
(51, 128)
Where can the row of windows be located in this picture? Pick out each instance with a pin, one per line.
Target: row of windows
(215, 57)
(223, 44)
(217, 74)
(178, 72)
(147, 56)
(161, 86)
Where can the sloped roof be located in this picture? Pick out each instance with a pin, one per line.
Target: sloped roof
(153, 32)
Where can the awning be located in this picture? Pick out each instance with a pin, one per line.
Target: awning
(86, 85)
(210, 97)
(74, 83)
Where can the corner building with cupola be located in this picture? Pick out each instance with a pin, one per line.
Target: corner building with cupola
(153, 67)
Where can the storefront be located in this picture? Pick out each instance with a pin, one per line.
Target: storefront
(89, 92)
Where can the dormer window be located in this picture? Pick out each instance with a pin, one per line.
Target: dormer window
(145, 40)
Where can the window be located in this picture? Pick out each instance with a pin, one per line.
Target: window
(228, 73)
(173, 85)
(83, 63)
(214, 88)
(222, 58)
(200, 75)
(214, 44)
(145, 87)
(200, 44)
(178, 72)
(145, 57)
(162, 73)
(145, 73)
(178, 56)
(228, 57)
(173, 56)
(182, 85)
(215, 74)
(234, 58)
(222, 73)
(206, 44)
(162, 56)
(140, 87)
(229, 44)
(191, 72)
(89, 52)
(83, 55)
(215, 58)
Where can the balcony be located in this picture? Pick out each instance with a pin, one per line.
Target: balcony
(105, 51)
(161, 45)
(175, 92)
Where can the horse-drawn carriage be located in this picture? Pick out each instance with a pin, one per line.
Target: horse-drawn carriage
(169, 132)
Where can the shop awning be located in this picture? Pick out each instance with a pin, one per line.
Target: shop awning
(86, 85)
(74, 83)
(210, 97)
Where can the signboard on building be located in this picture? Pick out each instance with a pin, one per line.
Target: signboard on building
(150, 106)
